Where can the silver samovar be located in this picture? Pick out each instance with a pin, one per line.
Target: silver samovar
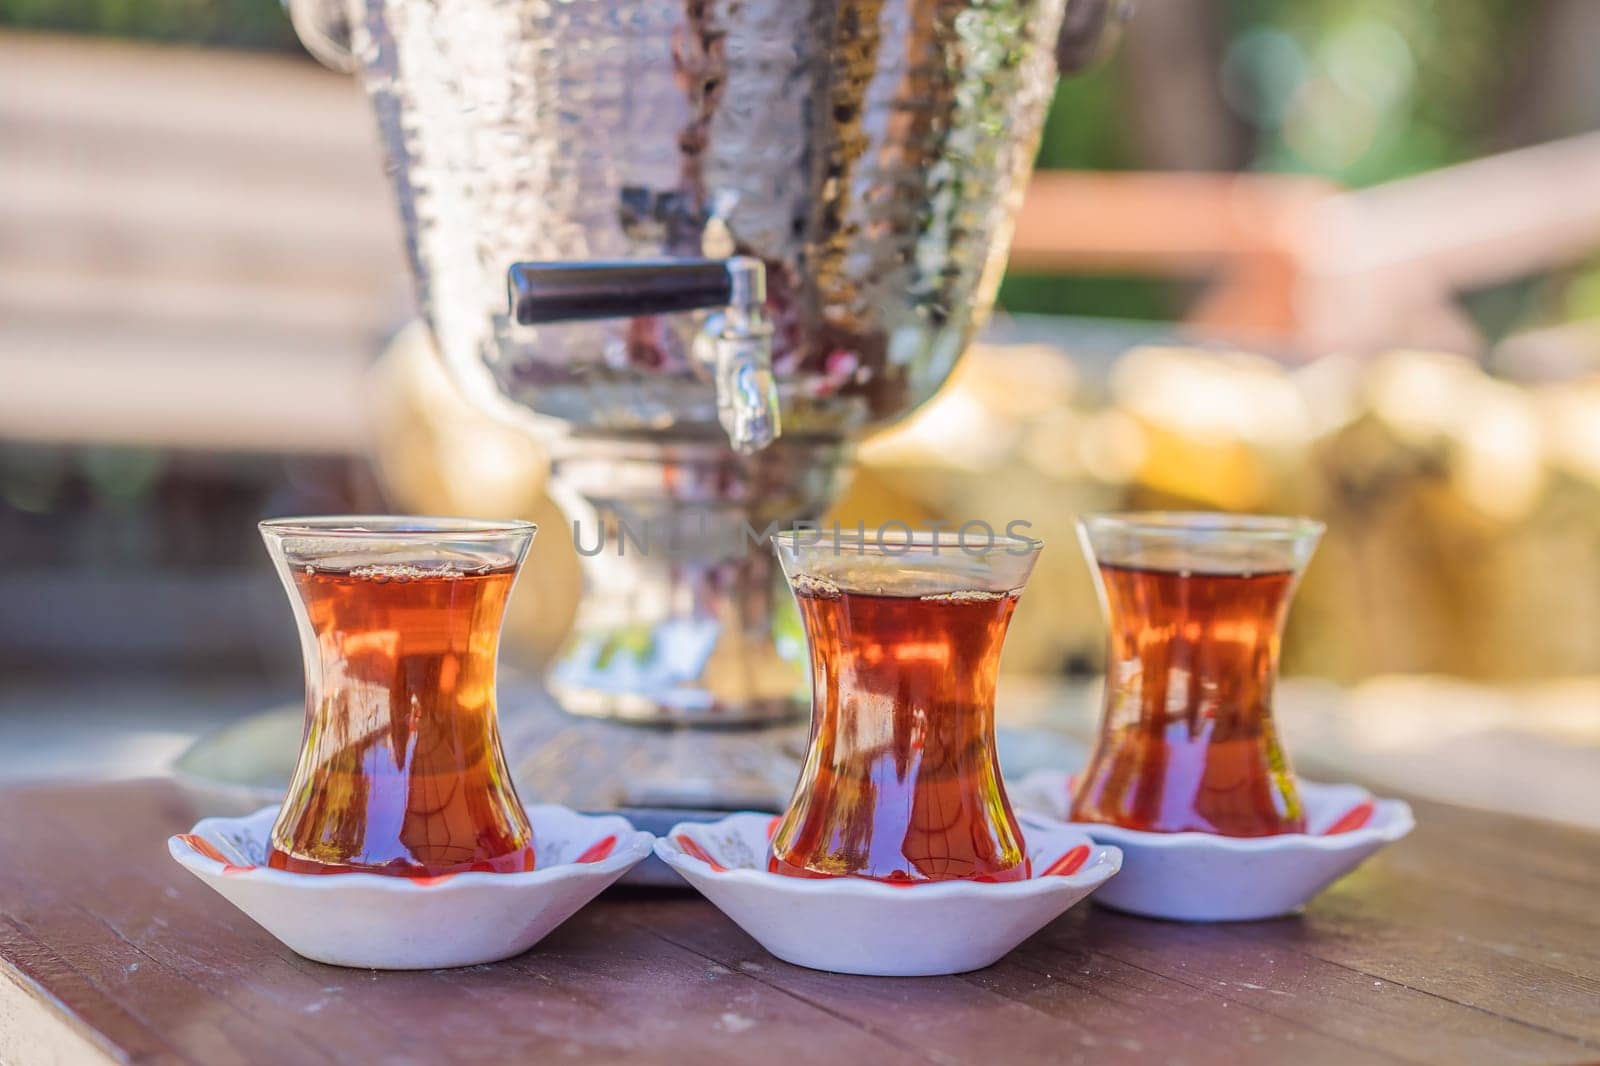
(701, 247)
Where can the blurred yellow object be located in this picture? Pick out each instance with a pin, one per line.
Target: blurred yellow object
(1463, 510)
(437, 454)
(974, 453)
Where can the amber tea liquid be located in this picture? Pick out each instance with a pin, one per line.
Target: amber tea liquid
(901, 783)
(401, 771)
(1188, 740)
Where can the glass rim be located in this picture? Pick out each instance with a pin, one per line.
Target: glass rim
(1275, 528)
(857, 542)
(395, 527)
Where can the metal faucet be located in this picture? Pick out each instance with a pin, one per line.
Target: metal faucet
(739, 348)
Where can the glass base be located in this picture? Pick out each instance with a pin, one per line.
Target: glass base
(520, 861)
(1020, 872)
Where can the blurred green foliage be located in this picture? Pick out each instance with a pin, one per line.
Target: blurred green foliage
(1357, 91)
(1363, 91)
(237, 23)
(1084, 131)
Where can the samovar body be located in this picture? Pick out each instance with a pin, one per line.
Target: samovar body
(868, 153)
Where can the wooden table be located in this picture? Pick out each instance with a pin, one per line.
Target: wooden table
(1475, 940)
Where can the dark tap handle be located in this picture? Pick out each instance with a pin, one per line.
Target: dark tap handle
(570, 292)
(741, 348)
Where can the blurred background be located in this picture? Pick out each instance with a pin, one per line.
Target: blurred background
(1333, 257)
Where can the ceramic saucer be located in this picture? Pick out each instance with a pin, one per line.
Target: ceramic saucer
(401, 923)
(1202, 877)
(855, 925)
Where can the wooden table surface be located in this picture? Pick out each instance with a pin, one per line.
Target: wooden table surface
(1477, 939)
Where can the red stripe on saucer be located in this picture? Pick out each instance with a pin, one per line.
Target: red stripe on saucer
(691, 847)
(599, 850)
(1354, 818)
(1068, 864)
(203, 846)
(210, 851)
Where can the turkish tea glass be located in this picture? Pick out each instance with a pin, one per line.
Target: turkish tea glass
(901, 782)
(401, 770)
(1195, 605)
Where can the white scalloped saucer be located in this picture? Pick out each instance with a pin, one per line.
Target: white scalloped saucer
(1202, 877)
(401, 923)
(856, 925)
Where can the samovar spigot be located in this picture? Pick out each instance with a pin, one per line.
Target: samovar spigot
(739, 341)
(747, 393)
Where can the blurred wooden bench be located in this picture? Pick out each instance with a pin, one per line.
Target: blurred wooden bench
(198, 248)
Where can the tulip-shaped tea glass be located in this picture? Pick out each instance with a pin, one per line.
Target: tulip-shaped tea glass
(1195, 605)
(901, 782)
(401, 770)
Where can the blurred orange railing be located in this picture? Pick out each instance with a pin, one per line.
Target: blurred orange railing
(1300, 263)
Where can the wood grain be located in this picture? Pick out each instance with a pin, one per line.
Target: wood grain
(1475, 940)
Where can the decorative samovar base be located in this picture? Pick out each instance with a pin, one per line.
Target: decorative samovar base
(596, 764)
(685, 620)
(555, 757)
(683, 684)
